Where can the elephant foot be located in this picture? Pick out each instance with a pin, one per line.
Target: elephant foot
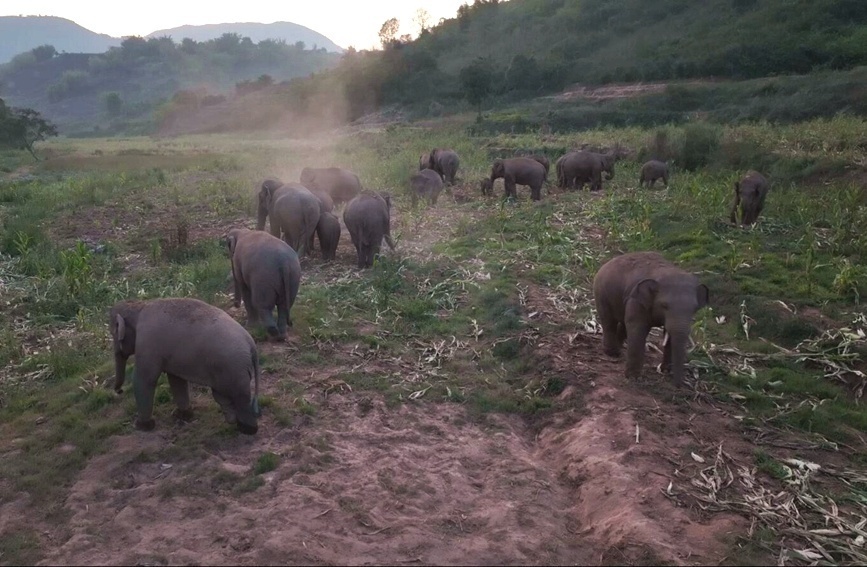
(247, 429)
(183, 415)
(612, 352)
(145, 424)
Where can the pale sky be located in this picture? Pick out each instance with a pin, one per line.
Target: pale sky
(345, 22)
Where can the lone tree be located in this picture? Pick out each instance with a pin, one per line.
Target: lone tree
(388, 32)
(21, 128)
(476, 79)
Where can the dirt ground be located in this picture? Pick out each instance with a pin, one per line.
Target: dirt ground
(601, 480)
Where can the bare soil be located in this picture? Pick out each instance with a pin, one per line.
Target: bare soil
(597, 480)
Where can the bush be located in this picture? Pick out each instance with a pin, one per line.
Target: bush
(701, 141)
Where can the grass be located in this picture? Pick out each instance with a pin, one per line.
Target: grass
(457, 323)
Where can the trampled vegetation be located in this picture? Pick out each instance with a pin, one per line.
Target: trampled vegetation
(463, 314)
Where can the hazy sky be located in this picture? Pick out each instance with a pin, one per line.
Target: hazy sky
(345, 22)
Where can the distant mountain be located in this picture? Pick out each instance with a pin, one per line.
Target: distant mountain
(22, 33)
(287, 31)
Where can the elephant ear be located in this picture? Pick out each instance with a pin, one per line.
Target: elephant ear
(645, 291)
(120, 328)
(702, 295)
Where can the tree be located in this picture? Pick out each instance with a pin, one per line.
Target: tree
(388, 32)
(476, 79)
(21, 128)
(44, 52)
(112, 102)
(422, 20)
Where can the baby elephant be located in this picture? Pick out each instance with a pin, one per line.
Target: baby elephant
(190, 341)
(750, 193)
(368, 220)
(328, 231)
(640, 290)
(426, 184)
(653, 170)
(267, 273)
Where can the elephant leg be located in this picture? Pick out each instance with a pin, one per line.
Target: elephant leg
(610, 344)
(181, 394)
(237, 281)
(636, 339)
(226, 405)
(245, 419)
(247, 293)
(511, 189)
(284, 320)
(666, 352)
(147, 374)
(536, 192)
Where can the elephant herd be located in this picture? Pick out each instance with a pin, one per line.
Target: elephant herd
(192, 341)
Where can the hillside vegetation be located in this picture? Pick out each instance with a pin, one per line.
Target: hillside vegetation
(122, 89)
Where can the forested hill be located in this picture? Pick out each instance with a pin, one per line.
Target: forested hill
(22, 33)
(124, 89)
(543, 45)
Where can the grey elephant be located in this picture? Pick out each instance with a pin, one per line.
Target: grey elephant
(341, 184)
(546, 163)
(426, 184)
(368, 219)
(293, 211)
(651, 171)
(640, 290)
(325, 201)
(328, 231)
(190, 341)
(577, 168)
(445, 162)
(514, 172)
(750, 193)
(267, 274)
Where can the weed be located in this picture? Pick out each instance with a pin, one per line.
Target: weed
(266, 462)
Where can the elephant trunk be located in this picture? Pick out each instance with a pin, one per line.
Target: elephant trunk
(119, 371)
(260, 221)
(678, 335)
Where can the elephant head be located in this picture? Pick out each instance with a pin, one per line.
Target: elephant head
(673, 300)
(266, 195)
(608, 161)
(498, 170)
(122, 322)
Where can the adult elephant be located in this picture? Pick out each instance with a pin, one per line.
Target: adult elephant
(426, 184)
(750, 193)
(577, 168)
(267, 274)
(640, 290)
(293, 211)
(514, 172)
(445, 162)
(190, 341)
(368, 219)
(341, 184)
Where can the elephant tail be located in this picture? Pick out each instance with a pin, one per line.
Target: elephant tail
(254, 404)
(290, 285)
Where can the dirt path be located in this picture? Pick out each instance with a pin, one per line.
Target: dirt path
(362, 483)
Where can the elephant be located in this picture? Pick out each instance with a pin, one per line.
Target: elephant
(653, 170)
(190, 341)
(517, 171)
(267, 274)
(577, 168)
(426, 184)
(341, 184)
(292, 209)
(750, 193)
(640, 290)
(368, 219)
(546, 163)
(328, 231)
(443, 161)
(325, 200)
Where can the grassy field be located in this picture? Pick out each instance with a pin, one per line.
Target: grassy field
(478, 309)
